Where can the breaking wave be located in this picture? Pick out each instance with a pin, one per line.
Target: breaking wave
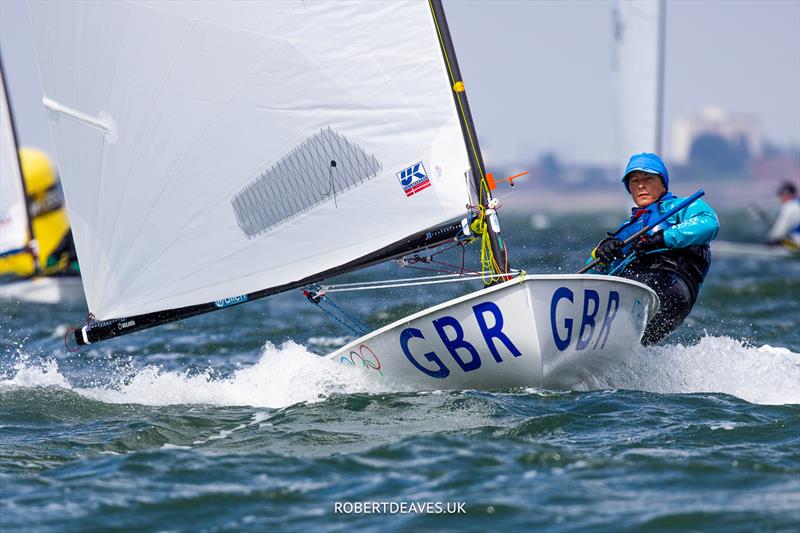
(290, 374)
(764, 375)
(283, 376)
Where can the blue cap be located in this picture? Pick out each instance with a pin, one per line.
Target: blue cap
(646, 162)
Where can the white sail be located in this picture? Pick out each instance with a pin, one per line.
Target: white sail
(638, 66)
(212, 149)
(13, 212)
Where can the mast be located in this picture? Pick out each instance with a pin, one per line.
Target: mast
(498, 249)
(15, 137)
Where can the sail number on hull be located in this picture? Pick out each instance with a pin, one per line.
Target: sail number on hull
(451, 333)
(583, 325)
(562, 332)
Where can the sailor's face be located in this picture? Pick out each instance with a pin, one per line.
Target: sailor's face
(645, 188)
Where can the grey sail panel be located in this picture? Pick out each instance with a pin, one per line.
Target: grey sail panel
(312, 174)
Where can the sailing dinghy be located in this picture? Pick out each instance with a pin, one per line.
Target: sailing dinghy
(19, 243)
(213, 154)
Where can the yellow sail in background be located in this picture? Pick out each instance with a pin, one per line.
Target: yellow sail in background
(49, 217)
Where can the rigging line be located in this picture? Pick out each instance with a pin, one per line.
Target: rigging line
(434, 282)
(427, 269)
(354, 325)
(326, 287)
(463, 253)
(447, 248)
(461, 269)
(359, 326)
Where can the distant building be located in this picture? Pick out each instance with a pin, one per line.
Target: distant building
(734, 128)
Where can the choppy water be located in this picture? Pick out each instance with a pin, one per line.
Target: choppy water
(231, 421)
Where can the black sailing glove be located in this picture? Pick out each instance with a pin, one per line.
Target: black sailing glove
(608, 250)
(648, 243)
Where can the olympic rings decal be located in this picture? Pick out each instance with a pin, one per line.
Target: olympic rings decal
(366, 356)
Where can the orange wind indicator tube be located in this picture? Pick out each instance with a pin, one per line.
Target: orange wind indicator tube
(493, 183)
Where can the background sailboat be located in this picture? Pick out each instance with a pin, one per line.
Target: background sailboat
(638, 30)
(32, 223)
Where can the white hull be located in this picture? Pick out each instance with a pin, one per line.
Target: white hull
(751, 250)
(548, 331)
(44, 290)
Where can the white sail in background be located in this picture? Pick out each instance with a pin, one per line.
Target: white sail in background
(638, 64)
(212, 149)
(13, 211)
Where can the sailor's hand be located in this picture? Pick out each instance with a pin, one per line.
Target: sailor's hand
(648, 243)
(608, 250)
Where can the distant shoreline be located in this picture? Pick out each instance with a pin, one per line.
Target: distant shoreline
(530, 198)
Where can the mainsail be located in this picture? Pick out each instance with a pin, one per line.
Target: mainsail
(638, 32)
(15, 224)
(215, 152)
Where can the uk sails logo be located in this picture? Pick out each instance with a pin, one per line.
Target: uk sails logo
(414, 179)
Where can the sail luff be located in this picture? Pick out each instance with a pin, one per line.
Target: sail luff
(499, 250)
(18, 168)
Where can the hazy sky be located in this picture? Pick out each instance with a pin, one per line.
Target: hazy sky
(538, 73)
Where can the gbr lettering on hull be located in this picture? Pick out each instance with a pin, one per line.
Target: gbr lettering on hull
(563, 330)
(464, 353)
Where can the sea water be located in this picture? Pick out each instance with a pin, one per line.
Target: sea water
(232, 421)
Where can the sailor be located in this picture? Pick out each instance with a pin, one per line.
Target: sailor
(673, 258)
(786, 229)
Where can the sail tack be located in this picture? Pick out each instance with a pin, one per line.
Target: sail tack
(14, 225)
(255, 143)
